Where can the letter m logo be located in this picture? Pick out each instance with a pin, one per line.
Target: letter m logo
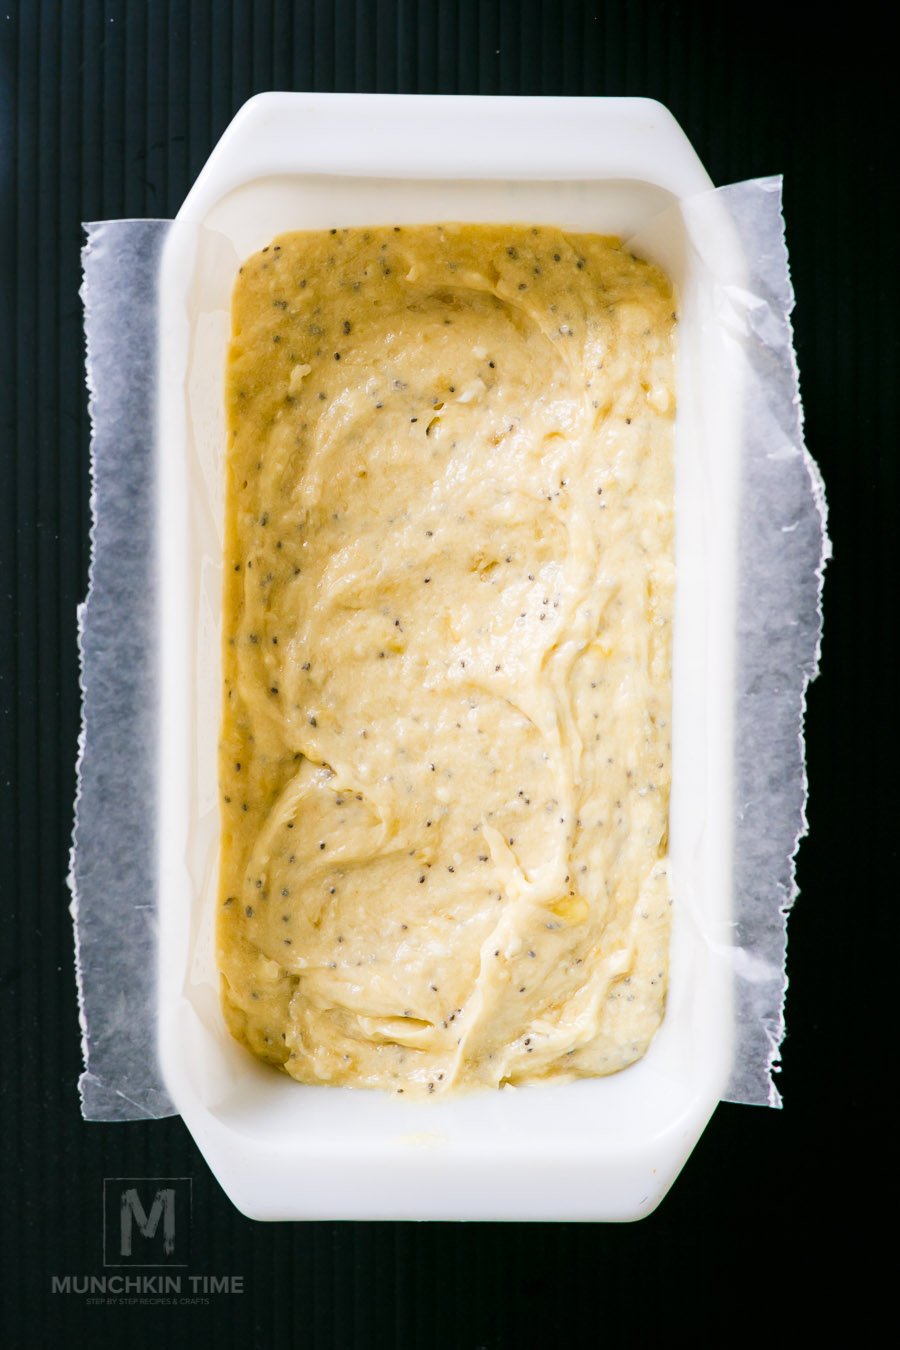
(146, 1221)
(132, 1212)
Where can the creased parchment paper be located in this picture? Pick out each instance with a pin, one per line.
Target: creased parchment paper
(781, 547)
(113, 861)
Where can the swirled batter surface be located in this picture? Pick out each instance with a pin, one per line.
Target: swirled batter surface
(449, 584)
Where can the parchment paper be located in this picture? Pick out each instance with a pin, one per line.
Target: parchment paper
(113, 860)
(783, 548)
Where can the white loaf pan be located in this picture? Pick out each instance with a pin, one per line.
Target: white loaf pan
(595, 1149)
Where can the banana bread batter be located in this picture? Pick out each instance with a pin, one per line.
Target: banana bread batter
(449, 584)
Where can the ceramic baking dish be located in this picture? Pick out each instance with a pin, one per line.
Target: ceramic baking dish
(596, 1149)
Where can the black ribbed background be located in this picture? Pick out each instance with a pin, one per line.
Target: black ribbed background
(109, 110)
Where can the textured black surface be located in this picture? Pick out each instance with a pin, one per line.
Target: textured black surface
(109, 110)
